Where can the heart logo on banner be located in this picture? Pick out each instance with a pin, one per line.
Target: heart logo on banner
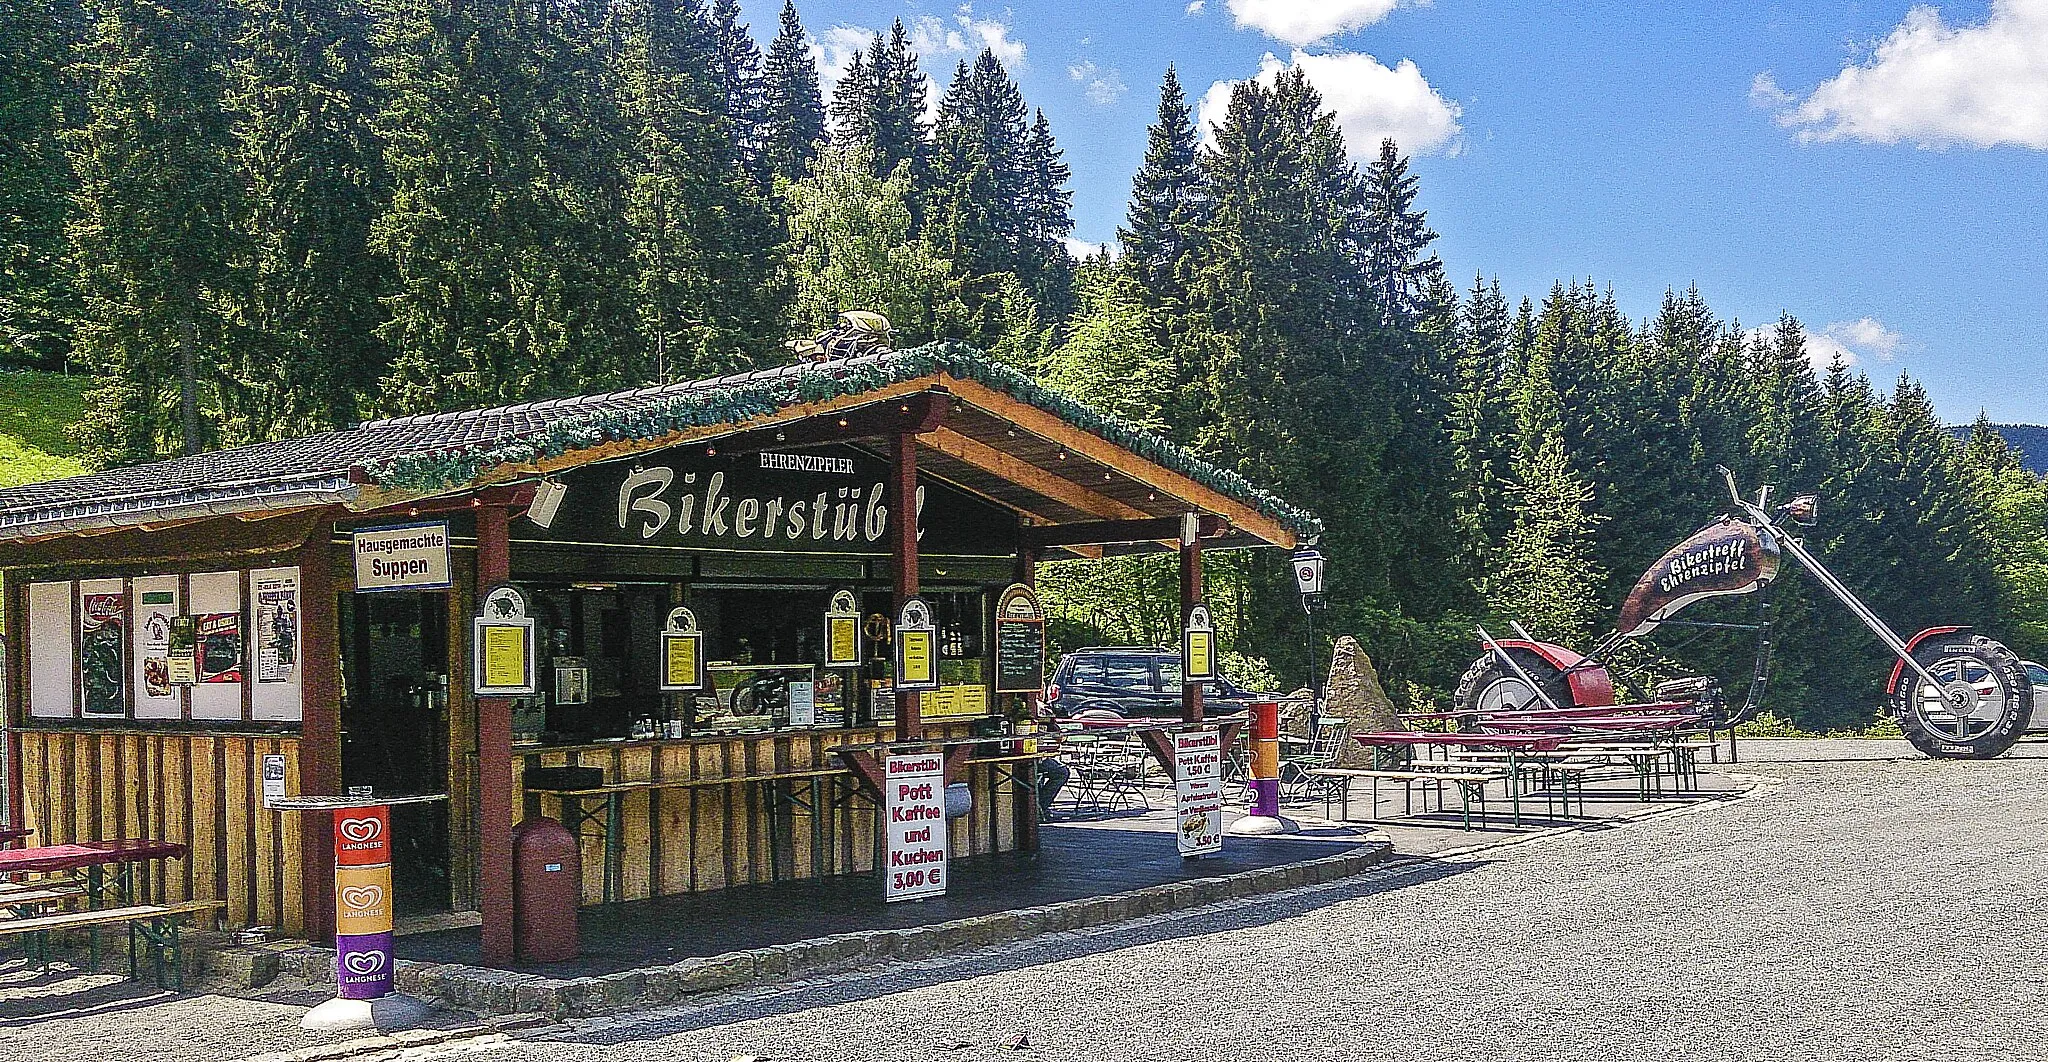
(362, 829)
(364, 963)
(362, 897)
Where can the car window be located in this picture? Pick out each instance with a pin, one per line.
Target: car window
(2037, 674)
(1169, 679)
(1123, 672)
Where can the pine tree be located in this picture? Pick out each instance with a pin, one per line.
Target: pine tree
(315, 178)
(792, 111)
(36, 290)
(710, 297)
(996, 205)
(742, 89)
(1482, 417)
(1544, 574)
(1395, 237)
(1162, 237)
(152, 223)
(878, 105)
(502, 231)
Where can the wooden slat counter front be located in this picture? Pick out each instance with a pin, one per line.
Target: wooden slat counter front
(201, 790)
(695, 833)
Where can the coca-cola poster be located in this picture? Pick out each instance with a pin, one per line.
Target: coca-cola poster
(102, 669)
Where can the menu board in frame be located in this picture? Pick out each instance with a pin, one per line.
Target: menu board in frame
(1020, 641)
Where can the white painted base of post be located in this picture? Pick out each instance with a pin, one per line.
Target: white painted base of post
(384, 1014)
(1262, 826)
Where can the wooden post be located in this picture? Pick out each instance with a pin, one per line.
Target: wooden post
(320, 730)
(14, 696)
(494, 760)
(1190, 596)
(903, 506)
(1027, 808)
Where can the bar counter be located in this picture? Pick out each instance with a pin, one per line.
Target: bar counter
(677, 815)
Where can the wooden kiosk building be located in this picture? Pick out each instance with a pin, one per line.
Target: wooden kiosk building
(175, 629)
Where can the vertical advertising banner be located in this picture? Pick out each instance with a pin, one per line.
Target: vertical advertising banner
(1198, 771)
(913, 826)
(362, 902)
(277, 625)
(101, 653)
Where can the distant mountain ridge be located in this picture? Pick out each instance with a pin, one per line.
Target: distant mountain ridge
(2031, 440)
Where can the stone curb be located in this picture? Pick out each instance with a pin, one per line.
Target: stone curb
(500, 992)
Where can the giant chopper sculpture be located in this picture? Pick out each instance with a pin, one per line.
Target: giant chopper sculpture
(1956, 694)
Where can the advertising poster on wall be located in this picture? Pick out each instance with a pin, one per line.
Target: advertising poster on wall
(277, 626)
(1198, 771)
(914, 826)
(184, 651)
(155, 609)
(220, 647)
(101, 659)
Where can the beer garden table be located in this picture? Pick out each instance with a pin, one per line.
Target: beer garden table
(1512, 744)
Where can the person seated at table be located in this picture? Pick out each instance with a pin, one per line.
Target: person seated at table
(1052, 773)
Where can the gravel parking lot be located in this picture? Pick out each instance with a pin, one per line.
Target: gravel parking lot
(1852, 906)
(1858, 903)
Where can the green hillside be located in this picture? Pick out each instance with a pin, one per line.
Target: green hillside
(35, 410)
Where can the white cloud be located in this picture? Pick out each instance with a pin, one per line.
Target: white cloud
(1855, 342)
(1300, 22)
(1103, 87)
(964, 36)
(838, 47)
(1195, 6)
(1938, 85)
(1372, 102)
(938, 43)
(1082, 249)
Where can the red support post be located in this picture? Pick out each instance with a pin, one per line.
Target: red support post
(320, 728)
(903, 507)
(14, 697)
(1190, 596)
(494, 761)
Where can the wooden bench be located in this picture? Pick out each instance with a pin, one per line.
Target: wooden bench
(1471, 785)
(24, 902)
(155, 926)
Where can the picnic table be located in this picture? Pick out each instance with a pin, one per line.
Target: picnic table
(1513, 744)
(93, 858)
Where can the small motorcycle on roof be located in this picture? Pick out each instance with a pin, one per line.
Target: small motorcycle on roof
(1955, 693)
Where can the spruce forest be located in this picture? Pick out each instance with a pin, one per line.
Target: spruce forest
(256, 218)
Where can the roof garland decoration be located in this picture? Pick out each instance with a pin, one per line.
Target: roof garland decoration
(750, 398)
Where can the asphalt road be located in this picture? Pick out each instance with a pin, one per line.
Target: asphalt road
(1847, 908)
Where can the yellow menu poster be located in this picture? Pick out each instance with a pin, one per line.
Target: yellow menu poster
(505, 656)
(1201, 655)
(842, 641)
(915, 648)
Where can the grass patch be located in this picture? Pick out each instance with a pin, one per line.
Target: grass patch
(1771, 725)
(36, 411)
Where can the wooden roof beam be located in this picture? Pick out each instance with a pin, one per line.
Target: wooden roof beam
(1047, 426)
(1119, 532)
(1031, 477)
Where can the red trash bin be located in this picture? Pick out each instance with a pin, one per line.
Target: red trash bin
(547, 886)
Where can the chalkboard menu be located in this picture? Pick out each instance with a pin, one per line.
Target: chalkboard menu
(1020, 642)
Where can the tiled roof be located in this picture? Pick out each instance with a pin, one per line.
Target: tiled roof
(443, 451)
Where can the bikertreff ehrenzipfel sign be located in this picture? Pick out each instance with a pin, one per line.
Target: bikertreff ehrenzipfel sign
(913, 826)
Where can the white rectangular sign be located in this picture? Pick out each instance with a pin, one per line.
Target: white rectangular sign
(913, 826)
(1198, 771)
(803, 704)
(407, 557)
(273, 778)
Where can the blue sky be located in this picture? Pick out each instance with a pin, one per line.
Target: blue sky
(1878, 170)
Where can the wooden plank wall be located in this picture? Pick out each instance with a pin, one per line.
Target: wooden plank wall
(699, 838)
(203, 790)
